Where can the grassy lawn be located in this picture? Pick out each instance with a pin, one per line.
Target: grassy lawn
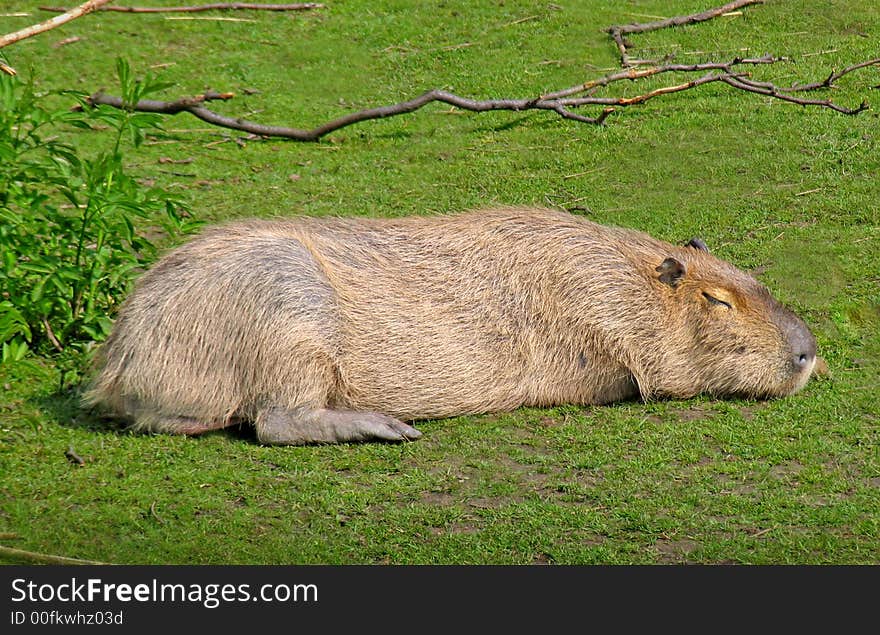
(792, 193)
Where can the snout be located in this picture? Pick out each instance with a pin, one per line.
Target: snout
(801, 345)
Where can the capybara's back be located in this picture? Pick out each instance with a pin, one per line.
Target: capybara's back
(326, 330)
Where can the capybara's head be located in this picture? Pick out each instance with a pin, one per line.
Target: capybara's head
(730, 336)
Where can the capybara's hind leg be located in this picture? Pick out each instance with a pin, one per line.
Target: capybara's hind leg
(177, 425)
(281, 426)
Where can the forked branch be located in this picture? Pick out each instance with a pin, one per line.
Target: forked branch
(833, 77)
(633, 74)
(619, 32)
(771, 91)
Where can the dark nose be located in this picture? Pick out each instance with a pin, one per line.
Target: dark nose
(801, 343)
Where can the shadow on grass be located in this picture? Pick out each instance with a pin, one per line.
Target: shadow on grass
(511, 124)
(394, 135)
(64, 408)
(537, 120)
(407, 135)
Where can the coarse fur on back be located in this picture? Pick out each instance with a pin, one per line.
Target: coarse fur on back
(332, 329)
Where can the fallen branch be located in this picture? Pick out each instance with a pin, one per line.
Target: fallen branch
(833, 77)
(619, 31)
(772, 91)
(42, 558)
(743, 82)
(219, 6)
(561, 102)
(298, 134)
(162, 107)
(36, 29)
(633, 74)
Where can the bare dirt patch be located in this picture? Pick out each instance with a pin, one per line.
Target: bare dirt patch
(785, 471)
(465, 485)
(456, 528)
(684, 415)
(738, 486)
(524, 473)
(486, 503)
(440, 499)
(694, 413)
(676, 550)
(748, 412)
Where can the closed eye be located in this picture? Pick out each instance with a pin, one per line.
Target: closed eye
(713, 300)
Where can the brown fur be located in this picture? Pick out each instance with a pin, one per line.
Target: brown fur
(319, 324)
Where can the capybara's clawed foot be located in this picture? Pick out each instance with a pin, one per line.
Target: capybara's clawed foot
(375, 426)
(281, 426)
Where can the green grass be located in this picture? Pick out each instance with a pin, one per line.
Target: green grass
(791, 192)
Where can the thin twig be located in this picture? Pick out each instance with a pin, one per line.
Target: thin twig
(176, 161)
(51, 335)
(619, 31)
(219, 6)
(208, 18)
(521, 20)
(66, 41)
(43, 558)
(58, 20)
(8, 536)
(155, 514)
(826, 52)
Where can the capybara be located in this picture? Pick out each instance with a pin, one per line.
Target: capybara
(324, 330)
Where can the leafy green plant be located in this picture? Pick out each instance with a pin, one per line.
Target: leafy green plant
(73, 229)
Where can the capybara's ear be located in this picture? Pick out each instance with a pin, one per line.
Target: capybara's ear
(671, 271)
(697, 243)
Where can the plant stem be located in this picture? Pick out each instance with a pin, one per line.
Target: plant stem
(77, 291)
